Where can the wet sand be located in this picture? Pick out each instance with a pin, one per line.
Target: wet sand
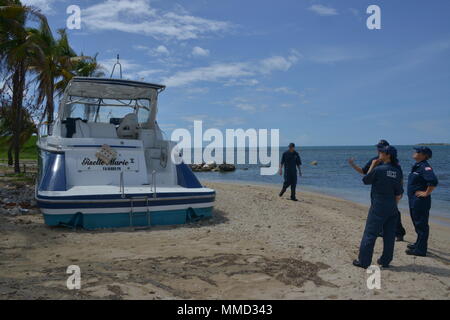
(257, 246)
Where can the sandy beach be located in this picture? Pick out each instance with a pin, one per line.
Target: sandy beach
(257, 246)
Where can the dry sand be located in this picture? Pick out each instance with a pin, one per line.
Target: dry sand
(257, 246)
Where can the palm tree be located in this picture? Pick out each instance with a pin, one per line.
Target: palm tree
(51, 62)
(82, 66)
(55, 63)
(16, 49)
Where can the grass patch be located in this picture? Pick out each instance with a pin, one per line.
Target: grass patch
(14, 177)
(29, 150)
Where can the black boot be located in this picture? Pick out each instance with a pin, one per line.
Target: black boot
(293, 197)
(381, 264)
(358, 264)
(413, 252)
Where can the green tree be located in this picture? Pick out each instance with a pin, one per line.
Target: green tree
(16, 52)
(55, 63)
(7, 120)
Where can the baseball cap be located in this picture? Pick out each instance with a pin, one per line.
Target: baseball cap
(424, 150)
(390, 150)
(381, 144)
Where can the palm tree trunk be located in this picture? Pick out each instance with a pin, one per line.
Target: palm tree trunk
(10, 156)
(18, 88)
(50, 106)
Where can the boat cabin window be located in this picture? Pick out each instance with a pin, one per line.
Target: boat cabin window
(103, 110)
(95, 117)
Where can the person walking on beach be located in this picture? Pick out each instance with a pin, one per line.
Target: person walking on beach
(421, 183)
(400, 232)
(291, 161)
(385, 176)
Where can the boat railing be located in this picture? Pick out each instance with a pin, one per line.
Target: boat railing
(154, 183)
(42, 130)
(122, 185)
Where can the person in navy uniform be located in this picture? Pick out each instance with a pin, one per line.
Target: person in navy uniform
(291, 161)
(385, 176)
(400, 232)
(421, 183)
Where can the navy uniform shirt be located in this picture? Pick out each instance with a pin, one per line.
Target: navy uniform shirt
(421, 177)
(291, 160)
(387, 184)
(366, 168)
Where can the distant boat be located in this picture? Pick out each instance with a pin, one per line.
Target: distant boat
(105, 163)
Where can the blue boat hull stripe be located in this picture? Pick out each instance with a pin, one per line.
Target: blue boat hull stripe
(136, 210)
(124, 204)
(111, 197)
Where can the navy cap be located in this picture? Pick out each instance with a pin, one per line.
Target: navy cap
(390, 150)
(382, 144)
(424, 150)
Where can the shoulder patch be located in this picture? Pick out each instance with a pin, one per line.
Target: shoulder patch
(428, 169)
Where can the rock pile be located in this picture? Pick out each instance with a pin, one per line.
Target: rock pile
(17, 199)
(212, 167)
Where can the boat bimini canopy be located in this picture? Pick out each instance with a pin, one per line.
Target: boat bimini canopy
(112, 88)
(97, 94)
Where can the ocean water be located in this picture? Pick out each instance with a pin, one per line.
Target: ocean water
(333, 175)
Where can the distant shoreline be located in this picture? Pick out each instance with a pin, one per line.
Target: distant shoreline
(433, 144)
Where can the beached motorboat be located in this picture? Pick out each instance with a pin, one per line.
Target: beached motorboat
(105, 163)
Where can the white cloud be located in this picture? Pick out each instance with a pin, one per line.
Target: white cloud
(246, 107)
(46, 6)
(214, 72)
(137, 16)
(209, 121)
(279, 63)
(241, 82)
(198, 90)
(200, 52)
(323, 10)
(162, 50)
(287, 90)
(231, 72)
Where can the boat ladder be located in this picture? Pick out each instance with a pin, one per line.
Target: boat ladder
(134, 214)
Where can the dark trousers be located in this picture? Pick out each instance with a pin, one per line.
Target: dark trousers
(400, 231)
(289, 181)
(375, 223)
(420, 219)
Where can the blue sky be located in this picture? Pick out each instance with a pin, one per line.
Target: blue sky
(310, 68)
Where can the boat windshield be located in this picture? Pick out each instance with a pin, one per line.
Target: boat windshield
(106, 110)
